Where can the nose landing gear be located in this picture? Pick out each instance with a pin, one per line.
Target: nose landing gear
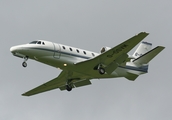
(24, 64)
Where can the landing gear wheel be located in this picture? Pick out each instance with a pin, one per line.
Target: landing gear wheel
(101, 71)
(24, 64)
(68, 88)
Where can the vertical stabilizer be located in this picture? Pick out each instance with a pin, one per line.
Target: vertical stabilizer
(143, 48)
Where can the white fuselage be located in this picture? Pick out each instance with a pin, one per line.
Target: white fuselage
(65, 58)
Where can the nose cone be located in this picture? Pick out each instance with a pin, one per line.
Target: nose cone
(17, 51)
(13, 49)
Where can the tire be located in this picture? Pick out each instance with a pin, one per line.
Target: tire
(24, 64)
(68, 88)
(101, 71)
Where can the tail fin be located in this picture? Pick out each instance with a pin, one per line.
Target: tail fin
(142, 56)
(143, 48)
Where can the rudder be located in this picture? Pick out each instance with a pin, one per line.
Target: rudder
(143, 48)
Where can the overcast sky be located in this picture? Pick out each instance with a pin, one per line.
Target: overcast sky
(87, 24)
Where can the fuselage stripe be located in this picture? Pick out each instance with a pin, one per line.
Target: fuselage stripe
(61, 52)
(143, 69)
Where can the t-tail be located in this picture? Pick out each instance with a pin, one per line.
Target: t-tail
(143, 48)
(142, 56)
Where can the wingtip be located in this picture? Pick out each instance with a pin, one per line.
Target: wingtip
(144, 33)
(162, 47)
(24, 94)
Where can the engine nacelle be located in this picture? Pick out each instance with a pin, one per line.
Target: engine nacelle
(104, 49)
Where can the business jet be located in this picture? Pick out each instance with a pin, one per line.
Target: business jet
(80, 66)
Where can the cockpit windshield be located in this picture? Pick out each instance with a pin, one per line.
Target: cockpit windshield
(33, 42)
(37, 42)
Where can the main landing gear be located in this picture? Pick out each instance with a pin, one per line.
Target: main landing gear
(24, 64)
(68, 88)
(101, 70)
(69, 85)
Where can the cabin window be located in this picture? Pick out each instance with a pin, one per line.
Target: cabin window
(64, 47)
(84, 52)
(77, 50)
(43, 43)
(93, 54)
(70, 49)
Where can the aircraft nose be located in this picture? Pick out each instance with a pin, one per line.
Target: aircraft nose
(13, 49)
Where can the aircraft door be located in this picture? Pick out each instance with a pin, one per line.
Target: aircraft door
(57, 50)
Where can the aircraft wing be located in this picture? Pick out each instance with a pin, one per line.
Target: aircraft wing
(115, 55)
(78, 80)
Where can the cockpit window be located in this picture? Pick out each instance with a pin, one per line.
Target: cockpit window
(39, 42)
(33, 42)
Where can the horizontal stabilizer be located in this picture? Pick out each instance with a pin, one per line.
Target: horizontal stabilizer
(147, 57)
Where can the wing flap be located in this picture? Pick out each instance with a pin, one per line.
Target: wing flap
(82, 83)
(78, 84)
(113, 65)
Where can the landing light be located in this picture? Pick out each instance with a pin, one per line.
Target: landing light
(65, 65)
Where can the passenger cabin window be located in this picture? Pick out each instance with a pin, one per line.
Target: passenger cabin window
(93, 54)
(43, 43)
(70, 49)
(84, 52)
(64, 47)
(77, 50)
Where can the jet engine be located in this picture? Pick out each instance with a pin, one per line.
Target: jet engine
(104, 49)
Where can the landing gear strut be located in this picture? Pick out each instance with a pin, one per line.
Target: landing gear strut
(69, 85)
(24, 64)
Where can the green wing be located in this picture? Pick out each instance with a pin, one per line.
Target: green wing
(78, 80)
(115, 55)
